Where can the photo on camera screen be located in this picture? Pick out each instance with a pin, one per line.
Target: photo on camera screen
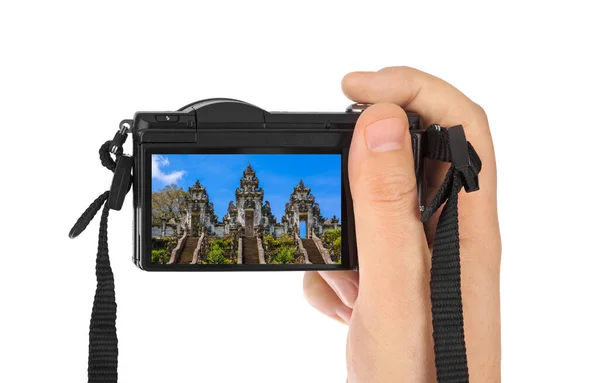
(232, 209)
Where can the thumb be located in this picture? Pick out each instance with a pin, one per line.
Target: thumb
(389, 231)
(390, 329)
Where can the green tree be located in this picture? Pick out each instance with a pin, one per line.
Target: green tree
(333, 242)
(167, 203)
(331, 235)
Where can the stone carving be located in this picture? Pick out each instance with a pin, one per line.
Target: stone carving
(249, 204)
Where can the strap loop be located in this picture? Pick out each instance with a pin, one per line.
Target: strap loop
(88, 215)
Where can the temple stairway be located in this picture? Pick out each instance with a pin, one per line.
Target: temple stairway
(314, 256)
(188, 250)
(250, 252)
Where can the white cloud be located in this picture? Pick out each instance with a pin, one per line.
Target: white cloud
(159, 162)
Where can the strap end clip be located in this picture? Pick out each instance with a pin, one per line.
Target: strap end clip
(461, 160)
(121, 183)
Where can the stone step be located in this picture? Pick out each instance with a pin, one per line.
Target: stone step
(314, 256)
(188, 250)
(250, 252)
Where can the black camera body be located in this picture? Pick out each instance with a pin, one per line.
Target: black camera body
(189, 163)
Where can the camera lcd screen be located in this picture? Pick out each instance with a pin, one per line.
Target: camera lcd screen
(242, 209)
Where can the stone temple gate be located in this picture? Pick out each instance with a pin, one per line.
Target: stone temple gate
(302, 208)
(249, 213)
(247, 210)
(199, 210)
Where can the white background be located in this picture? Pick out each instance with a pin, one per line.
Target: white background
(70, 71)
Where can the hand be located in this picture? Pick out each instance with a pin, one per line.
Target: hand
(389, 309)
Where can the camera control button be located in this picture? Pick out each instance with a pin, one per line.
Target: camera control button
(357, 108)
(167, 118)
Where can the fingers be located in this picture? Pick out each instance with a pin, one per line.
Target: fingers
(436, 101)
(321, 296)
(344, 284)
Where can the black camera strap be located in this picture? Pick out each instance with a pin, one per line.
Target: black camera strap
(103, 345)
(447, 145)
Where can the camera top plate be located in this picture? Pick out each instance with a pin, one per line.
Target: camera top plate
(230, 113)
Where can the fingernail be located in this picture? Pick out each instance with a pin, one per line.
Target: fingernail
(345, 314)
(386, 135)
(346, 290)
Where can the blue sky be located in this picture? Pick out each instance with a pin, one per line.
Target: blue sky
(277, 175)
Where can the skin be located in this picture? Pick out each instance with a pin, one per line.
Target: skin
(387, 304)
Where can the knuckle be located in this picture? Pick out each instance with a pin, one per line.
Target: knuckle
(397, 69)
(388, 186)
(480, 111)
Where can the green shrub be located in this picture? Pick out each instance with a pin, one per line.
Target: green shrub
(157, 255)
(284, 255)
(159, 243)
(280, 250)
(224, 244)
(216, 254)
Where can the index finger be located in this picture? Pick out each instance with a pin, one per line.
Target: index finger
(438, 102)
(431, 97)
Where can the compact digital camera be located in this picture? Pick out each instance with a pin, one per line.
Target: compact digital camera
(221, 184)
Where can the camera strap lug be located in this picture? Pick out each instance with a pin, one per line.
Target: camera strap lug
(120, 137)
